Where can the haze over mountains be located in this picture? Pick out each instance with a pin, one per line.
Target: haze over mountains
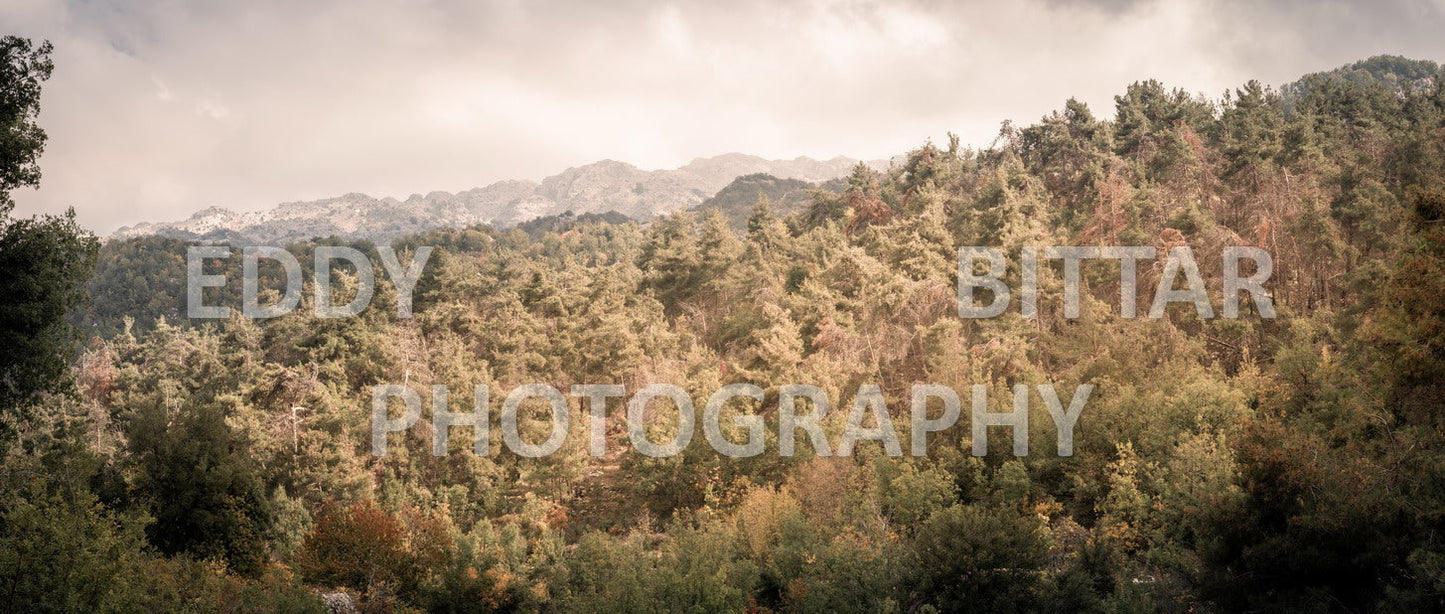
(599, 187)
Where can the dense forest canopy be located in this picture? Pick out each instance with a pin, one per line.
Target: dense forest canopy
(1250, 464)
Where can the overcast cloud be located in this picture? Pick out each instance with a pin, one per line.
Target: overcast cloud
(157, 109)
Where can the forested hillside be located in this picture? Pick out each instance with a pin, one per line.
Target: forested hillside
(736, 200)
(1250, 464)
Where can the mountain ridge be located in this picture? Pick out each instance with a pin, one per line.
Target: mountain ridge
(598, 187)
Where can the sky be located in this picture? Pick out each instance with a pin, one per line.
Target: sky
(157, 109)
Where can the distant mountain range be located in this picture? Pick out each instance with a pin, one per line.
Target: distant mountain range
(594, 188)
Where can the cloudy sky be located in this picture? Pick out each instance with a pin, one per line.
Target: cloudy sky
(157, 109)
